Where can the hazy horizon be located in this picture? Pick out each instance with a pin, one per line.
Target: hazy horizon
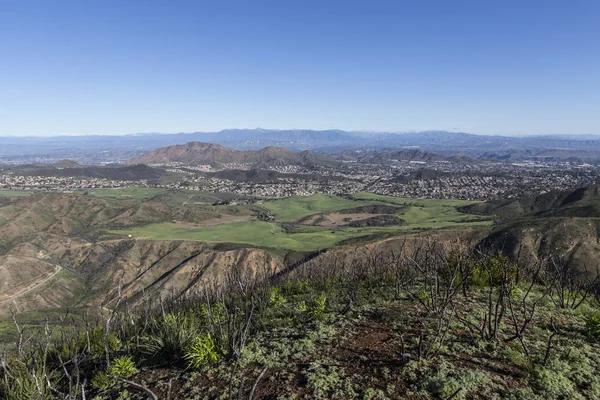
(113, 68)
(298, 129)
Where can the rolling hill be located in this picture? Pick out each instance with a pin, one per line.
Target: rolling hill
(198, 153)
(582, 202)
(562, 224)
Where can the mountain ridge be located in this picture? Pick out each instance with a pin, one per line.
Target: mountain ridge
(332, 140)
(201, 153)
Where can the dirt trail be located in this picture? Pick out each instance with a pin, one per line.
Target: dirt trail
(36, 285)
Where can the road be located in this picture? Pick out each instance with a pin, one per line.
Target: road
(35, 286)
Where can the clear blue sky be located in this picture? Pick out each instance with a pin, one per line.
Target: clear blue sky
(123, 66)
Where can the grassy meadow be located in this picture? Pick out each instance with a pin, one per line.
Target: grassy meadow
(127, 192)
(14, 193)
(418, 214)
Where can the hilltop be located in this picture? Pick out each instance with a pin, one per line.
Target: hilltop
(197, 153)
(560, 224)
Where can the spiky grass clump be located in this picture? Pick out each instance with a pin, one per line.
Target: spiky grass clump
(202, 352)
(123, 367)
(169, 337)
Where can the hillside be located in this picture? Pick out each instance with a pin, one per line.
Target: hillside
(71, 214)
(342, 309)
(562, 224)
(582, 202)
(197, 153)
(54, 250)
(410, 324)
(167, 243)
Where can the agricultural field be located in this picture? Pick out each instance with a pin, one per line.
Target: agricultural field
(283, 232)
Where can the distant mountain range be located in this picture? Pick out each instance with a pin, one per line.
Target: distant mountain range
(119, 148)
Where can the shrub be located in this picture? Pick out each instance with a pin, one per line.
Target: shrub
(102, 381)
(592, 325)
(296, 287)
(169, 337)
(276, 299)
(203, 351)
(23, 386)
(373, 394)
(518, 358)
(123, 367)
(97, 342)
(497, 269)
(217, 311)
(317, 309)
(301, 307)
(446, 382)
(327, 383)
(554, 384)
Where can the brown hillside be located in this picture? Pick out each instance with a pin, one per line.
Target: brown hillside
(197, 153)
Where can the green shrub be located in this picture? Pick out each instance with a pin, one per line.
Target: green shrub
(317, 308)
(592, 325)
(276, 299)
(296, 287)
(168, 338)
(301, 307)
(123, 367)
(447, 381)
(422, 295)
(102, 381)
(525, 393)
(518, 358)
(97, 342)
(201, 352)
(497, 268)
(23, 385)
(217, 310)
(373, 394)
(554, 384)
(327, 383)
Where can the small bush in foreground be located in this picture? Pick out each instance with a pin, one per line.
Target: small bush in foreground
(203, 351)
(123, 367)
(102, 381)
(169, 337)
(317, 309)
(592, 325)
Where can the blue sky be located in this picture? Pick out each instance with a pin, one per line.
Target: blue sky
(124, 66)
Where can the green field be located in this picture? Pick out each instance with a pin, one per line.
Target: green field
(295, 207)
(415, 210)
(14, 193)
(124, 193)
(419, 214)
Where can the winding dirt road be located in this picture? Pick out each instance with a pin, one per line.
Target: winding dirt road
(36, 285)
